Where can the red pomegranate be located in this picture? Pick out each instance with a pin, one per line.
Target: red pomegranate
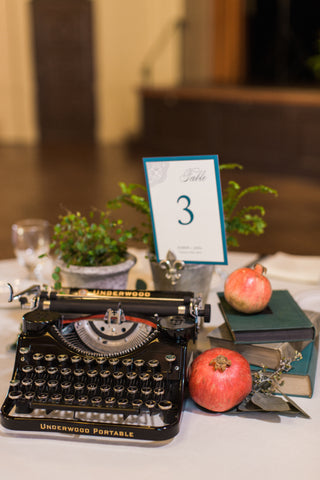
(248, 290)
(219, 379)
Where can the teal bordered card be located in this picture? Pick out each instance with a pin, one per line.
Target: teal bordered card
(186, 208)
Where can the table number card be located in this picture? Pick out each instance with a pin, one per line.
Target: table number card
(186, 208)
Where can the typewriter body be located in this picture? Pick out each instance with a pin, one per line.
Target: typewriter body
(102, 363)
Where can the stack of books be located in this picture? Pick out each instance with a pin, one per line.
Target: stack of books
(276, 333)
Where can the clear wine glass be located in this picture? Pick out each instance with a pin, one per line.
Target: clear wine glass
(30, 239)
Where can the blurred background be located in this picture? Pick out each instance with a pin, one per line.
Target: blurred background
(89, 87)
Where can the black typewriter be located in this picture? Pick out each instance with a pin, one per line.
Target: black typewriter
(102, 363)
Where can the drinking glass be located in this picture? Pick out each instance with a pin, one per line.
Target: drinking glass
(30, 239)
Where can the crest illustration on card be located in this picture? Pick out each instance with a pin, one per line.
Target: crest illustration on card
(186, 208)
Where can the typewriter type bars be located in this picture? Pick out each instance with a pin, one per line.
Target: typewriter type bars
(105, 375)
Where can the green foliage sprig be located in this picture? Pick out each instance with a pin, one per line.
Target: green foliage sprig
(90, 241)
(244, 220)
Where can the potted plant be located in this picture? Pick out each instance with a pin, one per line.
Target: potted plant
(91, 251)
(239, 220)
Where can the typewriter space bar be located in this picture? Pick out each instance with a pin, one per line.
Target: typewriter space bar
(126, 411)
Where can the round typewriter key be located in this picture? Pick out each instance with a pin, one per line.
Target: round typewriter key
(131, 376)
(83, 399)
(15, 395)
(150, 404)
(96, 401)
(105, 389)
(92, 373)
(76, 359)
(91, 387)
(110, 401)
(138, 363)
(88, 360)
(153, 364)
(123, 402)
(159, 392)
(50, 357)
(132, 391)
(37, 357)
(52, 384)
(69, 399)
(65, 386)
(137, 403)
(165, 405)
(118, 390)
(24, 350)
(39, 383)
(118, 375)
(40, 369)
(27, 382)
(14, 383)
(27, 369)
(113, 362)
(52, 371)
(144, 377)
(79, 387)
(105, 374)
(62, 358)
(146, 392)
(29, 396)
(127, 362)
(43, 397)
(101, 360)
(157, 377)
(170, 357)
(78, 372)
(65, 372)
(56, 397)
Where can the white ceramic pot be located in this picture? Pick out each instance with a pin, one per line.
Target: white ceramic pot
(114, 277)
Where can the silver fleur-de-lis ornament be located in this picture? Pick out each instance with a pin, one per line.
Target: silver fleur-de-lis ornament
(173, 267)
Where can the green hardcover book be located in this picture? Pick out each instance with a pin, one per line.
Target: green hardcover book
(281, 321)
(299, 381)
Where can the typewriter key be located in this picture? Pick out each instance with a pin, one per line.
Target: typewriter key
(37, 357)
(79, 387)
(50, 357)
(83, 399)
(52, 372)
(118, 375)
(92, 373)
(69, 399)
(15, 395)
(62, 358)
(153, 364)
(105, 389)
(24, 350)
(158, 392)
(105, 374)
(76, 359)
(132, 391)
(29, 396)
(146, 392)
(165, 405)
(40, 370)
(137, 403)
(123, 402)
(65, 372)
(27, 369)
(39, 383)
(150, 404)
(96, 401)
(27, 382)
(56, 397)
(144, 378)
(78, 372)
(88, 360)
(157, 377)
(127, 362)
(53, 385)
(110, 401)
(118, 390)
(113, 362)
(65, 386)
(42, 397)
(131, 376)
(91, 387)
(101, 360)
(14, 383)
(139, 363)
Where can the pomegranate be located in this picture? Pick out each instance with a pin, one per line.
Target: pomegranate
(248, 290)
(219, 379)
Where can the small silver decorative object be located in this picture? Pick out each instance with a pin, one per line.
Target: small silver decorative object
(173, 267)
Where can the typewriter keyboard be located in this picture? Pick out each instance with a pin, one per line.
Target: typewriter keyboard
(138, 396)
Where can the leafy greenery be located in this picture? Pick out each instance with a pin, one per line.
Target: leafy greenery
(93, 241)
(239, 220)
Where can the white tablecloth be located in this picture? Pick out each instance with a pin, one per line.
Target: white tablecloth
(216, 445)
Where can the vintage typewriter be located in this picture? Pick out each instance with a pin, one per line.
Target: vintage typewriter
(102, 363)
